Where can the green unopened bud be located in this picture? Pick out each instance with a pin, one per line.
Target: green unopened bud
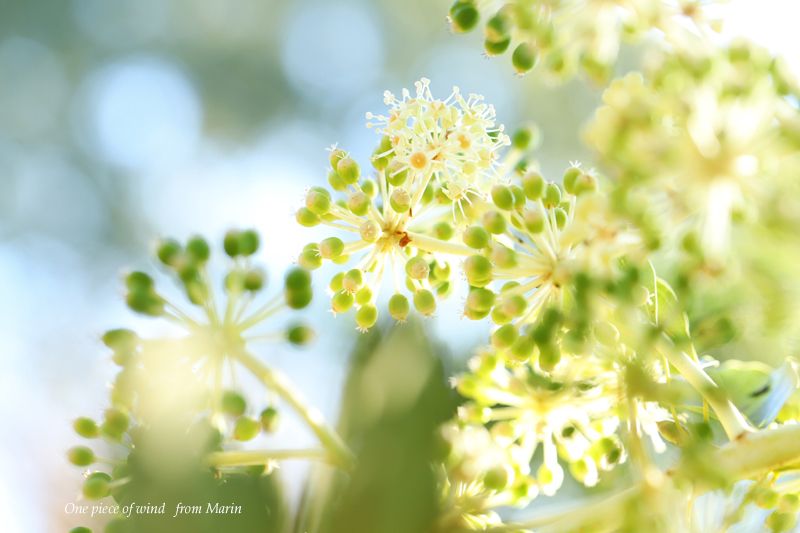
(310, 259)
(123, 342)
(498, 27)
(139, 281)
(478, 270)
(115, 423)
(366, 316)
(503, 256)
(779, 522)
(297, 292)
(561, 217)
(253, 280)
(443, 231)
(425, 302)
(337, 155)
(495, 48)
(336, 182)
(464, 16)
(369, 231)
(533, 184)
(248, 242)
(524, 58)
(417, 268)
(86, 427)
(504, 336)
(522, 349)
(197, 249)
(337, 282)
(297, 279)
(552, 195)
(331, 248)
(440, 271)
(494, 222)
(396, 173)
(358, 203)
(399, 307)
(318, 200)
(269, 419)
(80, 529)
(96, 486)
(570, 178)
(246, 428)
(789, 503)
(514, 305)
(476, 237)
(369, 187)
(231, 242)
(525, 138)
(549, 356)
(299, 335)
(342, 302)
(348, 170)
(585, 183)
(168, 251)
(363, 296)
(480, 300)
(534, 220)
(503, 197)
(765, 498)
(80, 456)
(400, 200)
(353, 280)
(232, 403)
(497, 478)
(305, 217)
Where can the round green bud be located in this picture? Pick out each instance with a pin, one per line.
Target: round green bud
(353, 280)
(494, 222)
(246, 428)
(417, 268)
(440, 271)
(306, 217)
(399, 307)
(400, 200)
(248, 242)
(123, 342)
(86, 427)
(269, 419)
(464, 16)
(524, 58)
(497, 478)
(519, 196)
(443, 289)
(115, 423)
(502, 197)
(570, 179)
(309, 258)
(549, 356)
(514, 305)
(425, 302)
(168, 251)
(522, 348)
(80, 456)
(478, 270)
(495, 48)
(443, 231)
(297, 279)
(534, 220)
(298, 298)
(348, 170)
(358, 203)
(299, 335)
(80, 529)
(585, 183)
(369, 187)
(369, 231)
(552, 195)
(561, 217)
(363, 296)
(342, 301)
(480, 299)
(231, 241)
(366, 316)
(318, 200)
(139, 281)
(331, 247)
(476, 237)
(95, 486)
(145, 302)
(198, 249)
(504, 336)
(396, 173)
(533, 184)
(789, 503)
(232, 403)
(503, 257)
(253, 280)
(336, 182)
(337, 282)
(337, 155)
(525, 138)
(779, 522)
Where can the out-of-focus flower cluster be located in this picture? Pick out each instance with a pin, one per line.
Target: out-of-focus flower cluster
(567, 35)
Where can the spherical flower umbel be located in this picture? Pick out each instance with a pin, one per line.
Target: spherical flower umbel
(434, 167)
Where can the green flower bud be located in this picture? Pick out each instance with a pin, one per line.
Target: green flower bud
(495, 48)
(779, 522)
(123, 342)
(337, 282)
(497, 478)
(498, 28)
(336, 182)
(524, 58)
(115, 423)
(369, 231)
(86, 427)
(95, 486)
(305, 217)
(440, 271)
(366, 316)
(443, 231)
(232, 403)
(297, 279)
(363, 296)
(503, 256)
(269, 419)
(253, 280)
(494, 222)
(80, 456)
(570, 178)
(337, 155)
(369, 187)
(504, 336)
(139, 281)
(231, 242)
(399, 307)
(197, 248)
(525, 138)
(552, 195)
(400, 200)
(478, 270)
(300, 335)
(425, 302)
(310, 259)
(514, 305)
(533, 184)
(348, 170)
(522, 349)
(549, 356)
(499, 317)
(318, 200)
(331, 247)
(342, 301)
(80, 529)
(476, 237)
(480, 300)
(789, 503)
(534, 220)
(561, 217)
(519, 196)
(168, 251)
(353, 280)
(358, 203)
(502, 197)
(396, 173)
(585, 183)
(464, 16)
(146, 302)
(248, 242)
(246, 428)
(417, 268)
(765, 498)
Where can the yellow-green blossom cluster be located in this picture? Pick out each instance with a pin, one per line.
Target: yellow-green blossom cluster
(567, 35)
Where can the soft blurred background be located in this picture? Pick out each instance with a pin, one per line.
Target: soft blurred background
(124, 121)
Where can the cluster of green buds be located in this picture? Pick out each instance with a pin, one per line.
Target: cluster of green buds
(713, 135)
(565, 35)
(433, 169)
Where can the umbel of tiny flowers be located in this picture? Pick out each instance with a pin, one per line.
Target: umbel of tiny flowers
(567, 35)
(709, 136)
(433, 169)
(215, 338)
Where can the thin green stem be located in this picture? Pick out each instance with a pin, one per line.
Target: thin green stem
(261, 457)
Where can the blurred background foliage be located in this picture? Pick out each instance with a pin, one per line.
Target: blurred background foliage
(122, 121)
